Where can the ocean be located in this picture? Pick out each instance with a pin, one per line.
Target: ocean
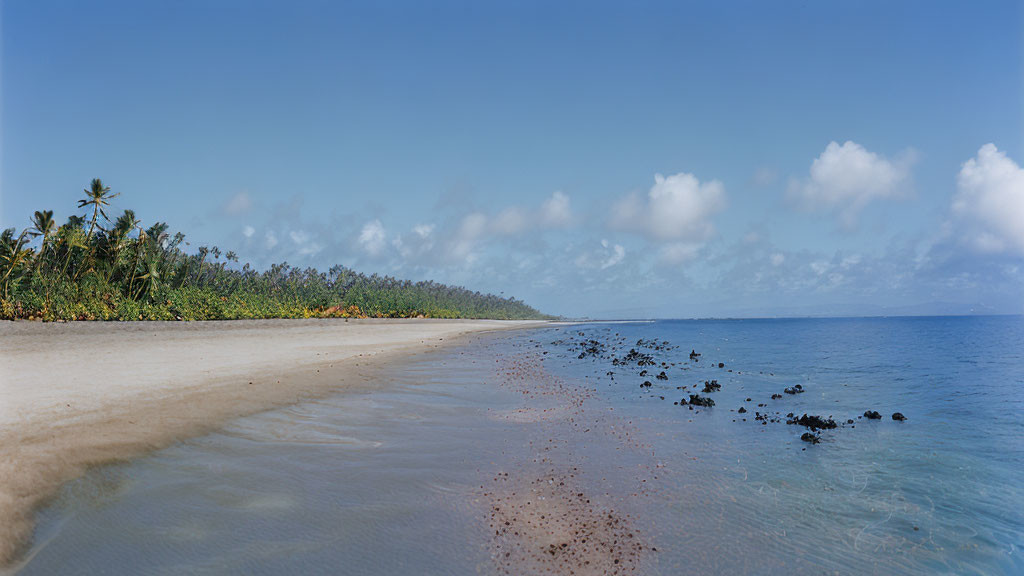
(548, 451)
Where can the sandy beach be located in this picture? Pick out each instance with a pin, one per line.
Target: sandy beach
(82, 394)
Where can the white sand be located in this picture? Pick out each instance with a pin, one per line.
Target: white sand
(81, 394)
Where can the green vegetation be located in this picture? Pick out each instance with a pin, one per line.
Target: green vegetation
(92, 268)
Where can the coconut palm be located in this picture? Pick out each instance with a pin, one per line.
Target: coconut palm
(13, 254)
(42, 225)
(158, 233)
(69, 237)
(98, 196)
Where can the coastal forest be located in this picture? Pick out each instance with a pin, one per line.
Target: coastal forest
(93, 267)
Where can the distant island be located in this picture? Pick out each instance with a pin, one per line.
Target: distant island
(95, 268)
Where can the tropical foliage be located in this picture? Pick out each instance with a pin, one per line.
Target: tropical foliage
(95, 268)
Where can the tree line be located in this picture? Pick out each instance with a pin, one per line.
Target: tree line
(93, 267)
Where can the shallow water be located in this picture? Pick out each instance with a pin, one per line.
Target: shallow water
(405, 478)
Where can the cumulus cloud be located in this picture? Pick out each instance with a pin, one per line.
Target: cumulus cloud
(462, 241)
(373, 238)
(989, 203)
(248, 231)
(846, 178)
(677, 208)
(238, 204)
(556, 211)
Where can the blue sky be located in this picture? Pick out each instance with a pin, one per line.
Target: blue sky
(609, 160)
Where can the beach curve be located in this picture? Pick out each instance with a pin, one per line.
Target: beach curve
(82, 394)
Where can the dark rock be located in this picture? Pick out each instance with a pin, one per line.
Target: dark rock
(698, 400)
(798, 389)
(872, 415)
(646, 384)
(814, 422)
(812, 438)
(721, 364)
(711, 386)
(643, 372)
(662, 376)
(776, 396)
(640, 358)
(742, 410)
(898, 416)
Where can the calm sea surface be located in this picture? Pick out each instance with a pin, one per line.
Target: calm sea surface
(393, 480)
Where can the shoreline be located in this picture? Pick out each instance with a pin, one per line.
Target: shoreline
(78, 395)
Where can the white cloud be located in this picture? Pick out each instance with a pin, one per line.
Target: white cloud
(510, 221)
(270, 239)
(556, 211)
(248, 231)
(466, 239)
(304, 243)
(845, 178)
(618, 253)
(373, 238)
(607, 256)
(777, 259)
(238, 204)
(463, 242)
(989, 203)
(677, 208)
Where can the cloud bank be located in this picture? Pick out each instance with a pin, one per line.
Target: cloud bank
(612, 260)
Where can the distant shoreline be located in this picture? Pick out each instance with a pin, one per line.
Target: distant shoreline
(81, 394)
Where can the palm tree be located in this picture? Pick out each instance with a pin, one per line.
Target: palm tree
(140, 246)
(42, 225)
(97, 196)
(70, 237)
(12, 254)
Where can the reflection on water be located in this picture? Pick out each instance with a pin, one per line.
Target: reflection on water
(366, 482)
(393, 480)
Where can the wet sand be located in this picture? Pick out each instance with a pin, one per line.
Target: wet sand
(560, 506)
(83, 394)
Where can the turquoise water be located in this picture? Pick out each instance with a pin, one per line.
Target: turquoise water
(395, 480)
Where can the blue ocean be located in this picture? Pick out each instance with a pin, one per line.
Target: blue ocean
(587, 448)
